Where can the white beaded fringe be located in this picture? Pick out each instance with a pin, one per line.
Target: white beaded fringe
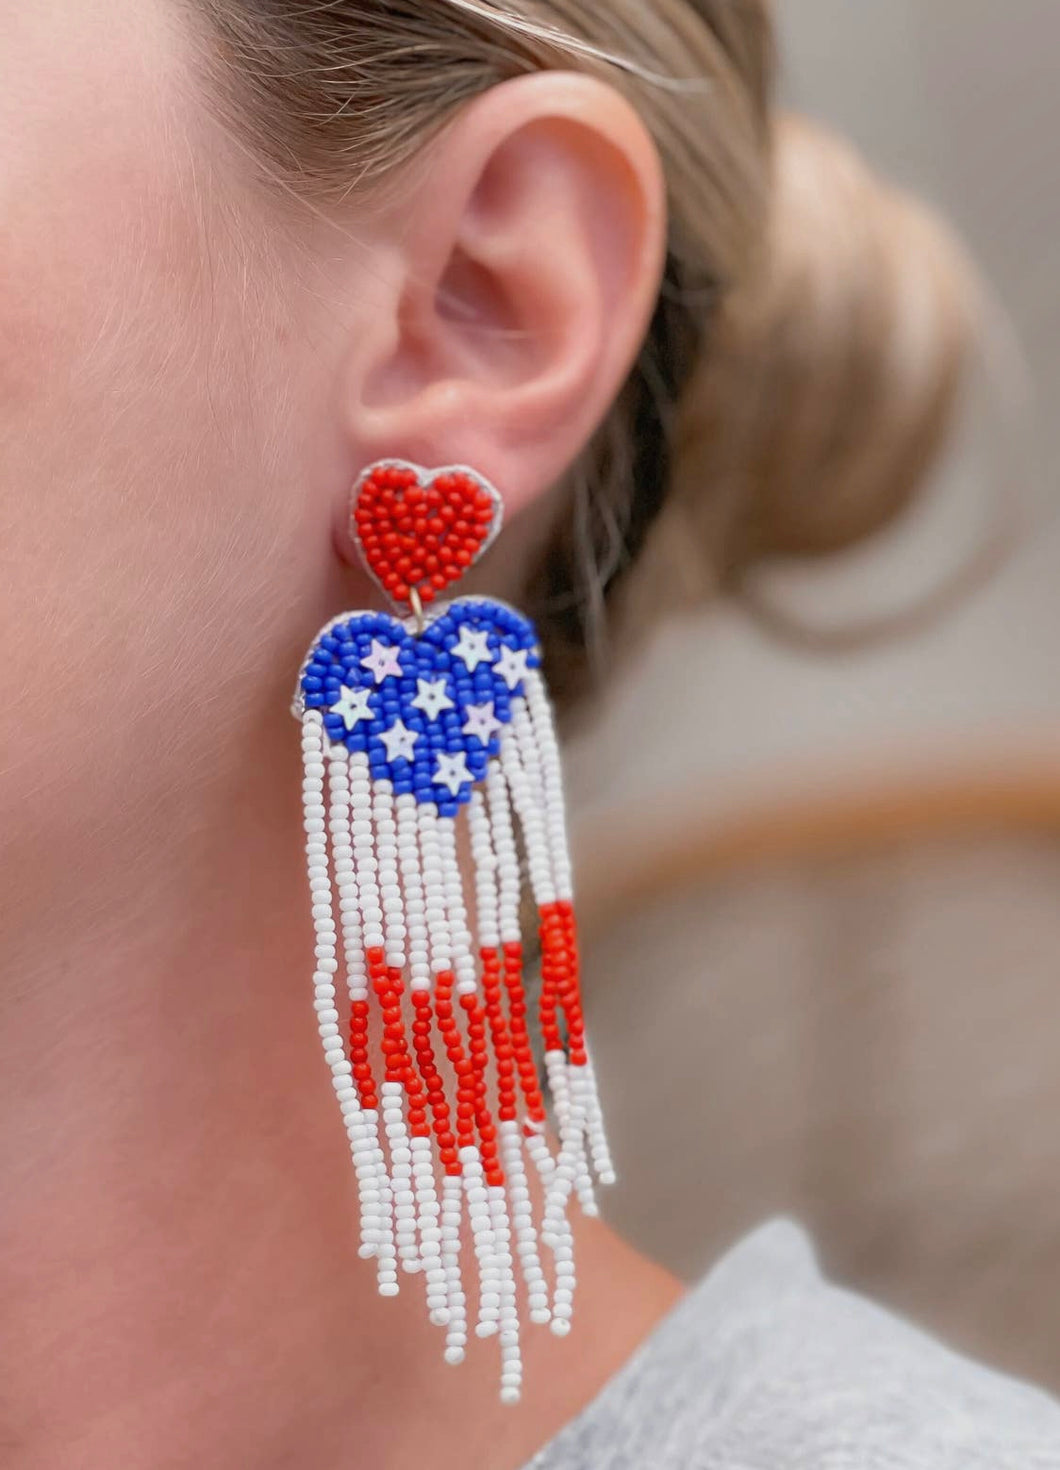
(386, 868)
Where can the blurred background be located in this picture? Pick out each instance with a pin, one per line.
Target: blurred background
(821, 889)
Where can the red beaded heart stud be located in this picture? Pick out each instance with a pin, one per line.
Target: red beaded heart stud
(420, 530)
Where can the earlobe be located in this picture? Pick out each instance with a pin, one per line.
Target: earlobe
(530, 249)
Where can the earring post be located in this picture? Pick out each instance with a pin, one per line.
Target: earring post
(417, 609)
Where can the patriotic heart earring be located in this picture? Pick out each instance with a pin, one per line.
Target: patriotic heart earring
(425, 736)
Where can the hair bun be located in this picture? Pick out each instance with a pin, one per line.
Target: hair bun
(829, 377)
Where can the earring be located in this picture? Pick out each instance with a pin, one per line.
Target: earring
(429, 750)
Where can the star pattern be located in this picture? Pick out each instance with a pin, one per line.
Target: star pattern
(426, 707)
(452, 771)
(382, 661)
(473, 648)
(481, 722)
(431, 697)
(353, 706)
(511, 665)
(400, 741)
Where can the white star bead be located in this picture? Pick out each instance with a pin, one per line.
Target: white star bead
(452, 771)
(482, 722)
(473, 647)
(352, 705)
(511, 665)
(400, 742)
(431, 697)
(383, 661)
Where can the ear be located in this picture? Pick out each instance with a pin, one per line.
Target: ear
(524, 263)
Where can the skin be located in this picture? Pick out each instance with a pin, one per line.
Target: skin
(192, 372)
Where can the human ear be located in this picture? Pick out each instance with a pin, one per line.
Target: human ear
(524, 256)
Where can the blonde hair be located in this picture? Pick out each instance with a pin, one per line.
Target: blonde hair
(804, 355)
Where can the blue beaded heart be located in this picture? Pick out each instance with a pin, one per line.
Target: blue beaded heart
(368, 672)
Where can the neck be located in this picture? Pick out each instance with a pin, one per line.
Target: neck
(179, 1226)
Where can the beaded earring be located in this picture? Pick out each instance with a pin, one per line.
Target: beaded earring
(426, 736)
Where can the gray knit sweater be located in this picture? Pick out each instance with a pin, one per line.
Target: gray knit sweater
(766, 1366)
